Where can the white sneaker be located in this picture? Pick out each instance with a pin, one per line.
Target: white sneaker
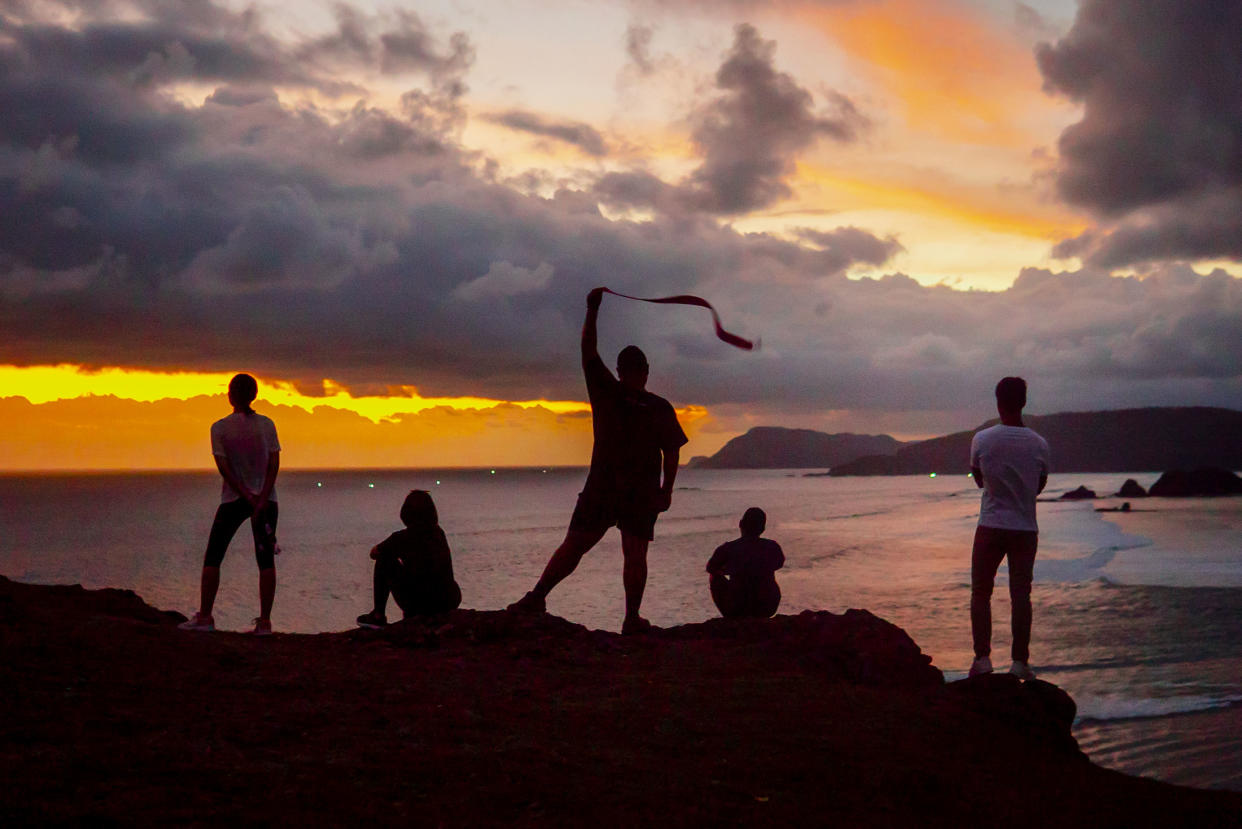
(981, 665)
(198, 621)
(1022, 670)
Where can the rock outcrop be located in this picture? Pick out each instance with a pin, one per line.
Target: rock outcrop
(1079, 494)
(1205, 481)
(111, 716)
(1131, 489)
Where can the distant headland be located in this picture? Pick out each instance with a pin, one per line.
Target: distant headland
(1121, 440)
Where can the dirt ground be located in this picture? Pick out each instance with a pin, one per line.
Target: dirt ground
(111, 716)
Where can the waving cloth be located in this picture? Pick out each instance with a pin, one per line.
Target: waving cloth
(687, 299)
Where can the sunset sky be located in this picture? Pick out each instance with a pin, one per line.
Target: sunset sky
(390, 213)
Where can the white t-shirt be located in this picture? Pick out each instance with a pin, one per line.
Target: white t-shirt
(1012, 459)
(245, 440)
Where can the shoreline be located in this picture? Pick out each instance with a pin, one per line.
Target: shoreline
(488, 717)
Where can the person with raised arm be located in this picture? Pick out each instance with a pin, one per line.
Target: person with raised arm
(247, 454)
(1009, 462)
(633, 466)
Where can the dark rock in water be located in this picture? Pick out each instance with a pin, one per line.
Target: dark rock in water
(1131, 489)
(1206, 481)
(1036, 709)
(1080, 494)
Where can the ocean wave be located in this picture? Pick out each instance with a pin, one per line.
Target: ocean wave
(1110, 707)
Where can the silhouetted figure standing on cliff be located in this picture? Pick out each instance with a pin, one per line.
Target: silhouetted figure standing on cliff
(633, 466)
(1010, 463)
(247, 454)
(742, 572)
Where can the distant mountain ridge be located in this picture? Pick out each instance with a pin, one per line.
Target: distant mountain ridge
(774, 447)
(1121, 440)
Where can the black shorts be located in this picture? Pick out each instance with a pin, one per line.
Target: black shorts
(232, 515)
(631, 511)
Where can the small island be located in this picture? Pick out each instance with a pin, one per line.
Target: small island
(113, 716)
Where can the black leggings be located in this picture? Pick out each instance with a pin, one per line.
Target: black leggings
(229, 517)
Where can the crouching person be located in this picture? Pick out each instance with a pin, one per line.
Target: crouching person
(414, 565)
(743, 571)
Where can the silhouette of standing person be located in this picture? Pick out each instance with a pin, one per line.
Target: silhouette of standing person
(1009, 462)
(247, 454)
(633, 466)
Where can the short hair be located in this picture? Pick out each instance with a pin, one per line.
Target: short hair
(1011, 392)
(419, 511)
(630, 359)
(243, 389)
(754, 521)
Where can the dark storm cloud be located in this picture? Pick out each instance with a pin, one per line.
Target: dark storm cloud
(396, 43)
(1158, 152)
(364, 245)
(847, 246)
(638, 47)
(749, 135)
(583, 136)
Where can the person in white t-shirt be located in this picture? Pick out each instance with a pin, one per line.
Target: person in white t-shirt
(1010, 464)
(247, 454)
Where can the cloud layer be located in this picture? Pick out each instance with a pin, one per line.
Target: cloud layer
(148, 227)
(1158, 152)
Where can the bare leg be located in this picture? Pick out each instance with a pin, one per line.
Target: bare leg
(634, 574)
(267, 592)
(565, 560)
(208, 589)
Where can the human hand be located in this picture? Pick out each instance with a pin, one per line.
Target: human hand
(375, 552)
(594, 298)
(663, 500)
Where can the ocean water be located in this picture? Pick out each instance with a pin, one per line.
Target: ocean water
(1138, 615)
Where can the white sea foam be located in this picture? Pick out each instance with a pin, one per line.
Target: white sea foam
(1105, 707)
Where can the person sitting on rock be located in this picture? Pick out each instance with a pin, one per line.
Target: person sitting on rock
(742, 572)
(414, 565)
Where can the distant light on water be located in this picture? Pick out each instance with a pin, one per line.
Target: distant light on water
(932, 475)
(493, 471)
(318, 483)
(437, 483)
(372, 486)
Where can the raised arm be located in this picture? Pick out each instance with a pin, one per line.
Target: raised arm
(590, 339)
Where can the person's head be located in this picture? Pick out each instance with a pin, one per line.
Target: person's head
(754, 522)
(419, 511)
(243, 389)
(632, 367)
(1010, 395)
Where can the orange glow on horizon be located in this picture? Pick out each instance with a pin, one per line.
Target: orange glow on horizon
(121, 419)
(43, 384)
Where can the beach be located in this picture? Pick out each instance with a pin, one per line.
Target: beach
(113, 716)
